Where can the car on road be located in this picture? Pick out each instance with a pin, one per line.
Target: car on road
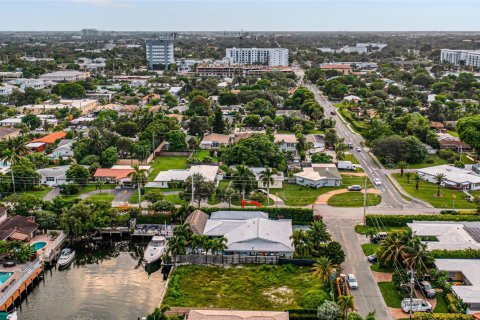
(355, 187)
(373, 258)
(352, 281)
(416, 305)
(378, 237)
(358, 149)
(377, 182)
(333, 113)
(426, 288)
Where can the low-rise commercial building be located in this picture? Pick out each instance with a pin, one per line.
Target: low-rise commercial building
(65, 76)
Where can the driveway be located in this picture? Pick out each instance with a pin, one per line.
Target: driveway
(323, 198)
(55, 192)
(121, 195)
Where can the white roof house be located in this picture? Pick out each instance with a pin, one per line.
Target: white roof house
(164, 177)
(54, 176)
(468, 271)
(277, 178)
(319, 175)
(64, 149)
(456, 178)
(251, 234)
(449, 235)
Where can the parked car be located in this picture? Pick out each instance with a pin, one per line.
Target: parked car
(355, 187)
(377, 182)
(378, 237)
(373, 258)
(358, 149)
(426, 288)
(352, 281)
(417, 305)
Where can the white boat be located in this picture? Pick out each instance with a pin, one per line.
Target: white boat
(12, 315)
(66, 257)
(155, 249)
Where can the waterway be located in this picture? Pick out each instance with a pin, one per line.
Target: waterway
(106, 281)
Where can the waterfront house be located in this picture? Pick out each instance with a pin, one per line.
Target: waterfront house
(319, 175)
(215, 314)
(18, 228)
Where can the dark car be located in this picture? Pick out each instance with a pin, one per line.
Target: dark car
(378, 237)
(426, 288)
(373, 258)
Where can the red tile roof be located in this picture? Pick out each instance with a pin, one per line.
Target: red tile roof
(112, 173)
(52, 137)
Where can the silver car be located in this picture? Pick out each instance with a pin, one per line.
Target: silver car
(352, 281)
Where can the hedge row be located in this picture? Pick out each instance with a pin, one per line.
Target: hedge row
(298, 215)
(441, 316)
(156, 218)
(456, 254)
(401, 220)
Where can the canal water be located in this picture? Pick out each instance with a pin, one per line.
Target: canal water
(106, 281)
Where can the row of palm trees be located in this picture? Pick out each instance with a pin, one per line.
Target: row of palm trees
(13, 149)
(439, 177)
(244, 179)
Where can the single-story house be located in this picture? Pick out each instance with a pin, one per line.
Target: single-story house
(464, 271)
(9, 133)
(455, 178)
(277, 178)
(54, 176)
(213, 314)
(214, 141)
(436, 125)
(286, 142)
(63, 150)
(52, 137)
(211, 173)
(447, 235)
(318, 142)
(352, 98)
(197, 221)
(18, 228)
(319, 175)
(36, 146)
(118, 175)
(251, 233)
(454, 145)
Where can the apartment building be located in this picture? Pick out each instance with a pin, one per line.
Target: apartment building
(468, 58)
(159, 52)
(272, 57)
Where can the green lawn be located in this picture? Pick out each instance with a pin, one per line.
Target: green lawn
(354, 199)
(437, 161)
(452, 133)
(428, 192)
(351, 157)
(103, 197)
(390, 294)
(166, 163)
(201, 154)
(265, 287)
(441, 306)
(370, 248)
(360, 229)
(89, 188)
(295, 195)
(360, 127)
(175, 198)
(37, 193)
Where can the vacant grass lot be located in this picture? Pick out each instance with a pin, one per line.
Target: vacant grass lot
(363, 229)
(37, 193)
(295, 195)
(436, 161)
(390, 294)
(266, 287)
(101, 197)
(428, 192)
(166, 163)
(89, 188)
(354, 199)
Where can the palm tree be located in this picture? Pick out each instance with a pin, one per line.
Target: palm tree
(439, 178)
(10, 156)
(355, 316)
(300, 243)
(324, 269)
(417, 256)
(219, 244)
(159, 314)
(177, 246)
(318, 234)
(346, 303)
(402, 165)
(97, 141)
(394, 247)
(408, 175)
(266, 177)
(417, 179)
(197, 241)
(243, 178)
(138, 176)
(183, 230)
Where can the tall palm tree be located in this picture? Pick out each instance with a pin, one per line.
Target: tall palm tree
(394, 247)
(219, 244)
(417, 256)
(324, 269)
(138, 176)
(97, 141)
(183, 230)
(300, 243)
(159, 314)
(346, 303)
(177, 246)
(243, 178)
(417, 179)
(439, 178)
(196, 242)
(402, 165)
(266, 177)
(11, 157)
(355, 316)
(318, 234)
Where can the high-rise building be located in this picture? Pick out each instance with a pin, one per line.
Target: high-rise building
(468, 58)
(160, 51)
(89, 32)
(273, 57)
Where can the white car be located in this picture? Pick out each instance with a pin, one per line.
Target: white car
(352, 281)
(358, 149)
(417, 305)
(377, 182)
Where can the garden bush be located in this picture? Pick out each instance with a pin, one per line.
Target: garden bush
(402, 220)
(441, 316)
(156, 218)
(456, 254)
(449, 212)
(298, 215)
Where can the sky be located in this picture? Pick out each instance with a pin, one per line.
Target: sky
(234, 15)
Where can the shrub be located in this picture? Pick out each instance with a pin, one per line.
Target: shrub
(154, 195)
(456, 254)
(69, 189)
(441, 316)
(429, 161)
(402, 220)
(449, 212)
(156, 218)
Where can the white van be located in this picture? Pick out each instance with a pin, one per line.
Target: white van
(418, 305)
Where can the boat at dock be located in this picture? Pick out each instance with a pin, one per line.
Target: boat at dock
(66, 257)
(155, 249)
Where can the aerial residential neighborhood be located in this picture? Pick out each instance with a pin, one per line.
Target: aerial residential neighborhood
(238, 173)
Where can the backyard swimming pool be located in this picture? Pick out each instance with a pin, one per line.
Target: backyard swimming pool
(4, 276)
(38, 245)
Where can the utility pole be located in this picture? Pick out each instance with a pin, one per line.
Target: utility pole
(412, 281)
(193, 190)
(365, 202)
